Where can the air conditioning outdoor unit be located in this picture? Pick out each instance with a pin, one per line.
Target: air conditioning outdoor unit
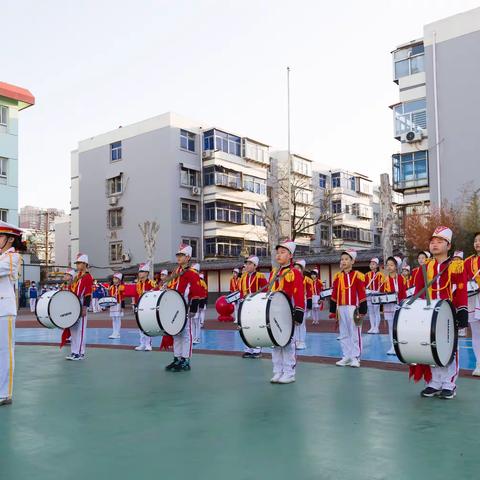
(412, 136)
(196, 191)
(126, 257)
(113, 201)
(208, 154)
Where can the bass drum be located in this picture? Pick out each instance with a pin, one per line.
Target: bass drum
(265, 319)
(161, 312)
(58, 309)
(425, 334)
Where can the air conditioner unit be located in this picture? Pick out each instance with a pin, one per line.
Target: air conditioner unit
(113, 201)
(412, 136)
(208, 154)
(196, 191)
(126, 257)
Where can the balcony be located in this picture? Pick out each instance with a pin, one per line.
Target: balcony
(408, 61)
(410, 170)
(406, 184)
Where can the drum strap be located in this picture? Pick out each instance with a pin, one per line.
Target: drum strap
(268, 287)
(427, 285)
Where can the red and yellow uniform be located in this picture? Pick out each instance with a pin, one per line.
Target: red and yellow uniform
(117, 292)
(349, 289)
(317, 286)
(234, 284)
(395, 284)
(308, 284)
(203, 292)
(415, 273)
(187, 277)
(251, 283)
(82, 287)
(472, 268)
(141, 287)
(290, 281)
(373, 281)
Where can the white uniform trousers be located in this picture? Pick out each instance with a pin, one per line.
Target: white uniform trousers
(474, 326)
(7, 355)
(316, 314)
(79, 336)
(300, 334)
(389, 312)
(182, 343)
(350, 334)
(374, 316)
(196, 326)
(284, 359)
(253, 350)
(445, 377)
(145, 340)
(33, 302)
(203, 311)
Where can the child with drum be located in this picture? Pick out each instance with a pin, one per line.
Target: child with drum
(144, 284)
(393, 284)
(288, 280)
(373, 280)
(116, 290)
(349, 303)
(446, 280)
(317, 287)
(301, 330)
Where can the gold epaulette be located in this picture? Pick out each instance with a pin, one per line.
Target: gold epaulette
(337, 275)
(290, 276)
(361, 276)
(456, 266)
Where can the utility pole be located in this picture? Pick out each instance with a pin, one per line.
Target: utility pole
(46, 241)
(289, 167)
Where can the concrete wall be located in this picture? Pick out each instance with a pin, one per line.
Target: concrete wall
(62, 241)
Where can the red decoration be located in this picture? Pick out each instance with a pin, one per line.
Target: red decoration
(224, 309)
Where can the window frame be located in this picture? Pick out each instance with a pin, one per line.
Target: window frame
(189, 204)
(189, 137)
(119, 212)
(4, 214)
(117, 243)
(190, 173)
(4, 113)
(115, 181)
(4, 162)
(188, 241)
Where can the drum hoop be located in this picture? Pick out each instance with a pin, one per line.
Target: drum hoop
(136, 315)
(158, 314)
(395, 333)
(433, 327)
(48, 310)
(239, 317)
(267, 314)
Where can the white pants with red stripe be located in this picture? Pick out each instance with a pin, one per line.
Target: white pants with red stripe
(445, 377)
(374, 315)
(7, 355)
(284, 359)
(474, 327)
(79, 336)
(182, 343)
(350, 335)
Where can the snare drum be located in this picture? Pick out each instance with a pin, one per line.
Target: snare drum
(425, 334)
(472, 288)
(326, 293)
(232, 297)
(58, 309)
(369, 292)
(386, 298)
(410, 292)
(265, 319)
(161, 312)
(375, 298)
(106, 302)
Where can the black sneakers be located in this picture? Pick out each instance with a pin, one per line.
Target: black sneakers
(247, 355)
(447, 394)
(182, 366)
(170, 366)
(430, 392)
(256, 355)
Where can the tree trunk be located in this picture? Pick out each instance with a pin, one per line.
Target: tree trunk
(386, 215)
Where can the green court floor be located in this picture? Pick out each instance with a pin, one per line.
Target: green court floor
(118, 415)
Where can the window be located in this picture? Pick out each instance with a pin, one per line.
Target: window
(252, 216)
(258, 249)
(115, 151)
(336, 206)
(115, 185)
(3, 115)
(352, 184)
(225, 142)
(115, 218)
(362, 211)
(376, 240)
(222, 177)
(193, 242)
(410, 116)
(255, 184)
(188, 177)
(4, 215)
(189, 212)
(256, 152)
(410, 170)
(352, 233)
(408, 61)
(322, 180)
(223, 247)
(116, 251)
(3, 168)
(302, 166)
(336, 180)
(223, 212)
(324, 234)
(302, 196)
(187, 140)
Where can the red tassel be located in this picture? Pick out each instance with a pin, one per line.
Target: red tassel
(417, 372)
(167, 342)
(65, 336)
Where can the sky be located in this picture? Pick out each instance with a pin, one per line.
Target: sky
(94, 65)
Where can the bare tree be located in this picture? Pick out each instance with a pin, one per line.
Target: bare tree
(149, 231)
(386, 207)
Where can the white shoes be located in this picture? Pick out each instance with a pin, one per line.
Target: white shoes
(391, 351)
(148, 348)
(344, 362)
(286, 378)
(113, 336)
(476, 372)
(140, 348)
(462, 332)
(300, 346)
(196, 340)
(276, 377)
(355, 363)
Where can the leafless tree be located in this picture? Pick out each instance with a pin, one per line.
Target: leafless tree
(149, 231)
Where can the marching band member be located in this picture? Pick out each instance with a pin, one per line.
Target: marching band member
(116, 290)
(196, 319)
(67, 284)
(373, 280)
(161, 282)
(446, 274)
(235, 287)
(187, 283)
(393, 283)
(406, 275)
(317, 289)
(32, 296)
(422, 258)
(144, 284)
(472, 267)
(10, 260)
(301, 330)
(251, 282)
(82, 287)
(288, 280)
(202, 306)
(349, 294)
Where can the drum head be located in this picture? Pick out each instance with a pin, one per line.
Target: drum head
(444, 334)
(172, 312)
(279, 319)
(64, 309)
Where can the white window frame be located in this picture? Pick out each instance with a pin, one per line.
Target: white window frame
(3, 167)
(190, 204)
(189, 173)
(119, 213)
(3, 115)
(188, 136)
(188, 241)
(4, 215)
(112, 181)
(112, 149)
(118, 256)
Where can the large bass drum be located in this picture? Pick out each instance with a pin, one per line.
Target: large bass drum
(58, 309)
(161, 312)
(265, 319)
(425, 334)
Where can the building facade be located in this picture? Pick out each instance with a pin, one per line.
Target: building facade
(13, 99)
(36, 218)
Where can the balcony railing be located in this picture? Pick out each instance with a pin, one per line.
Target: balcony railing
(411, 183)
(414, 121)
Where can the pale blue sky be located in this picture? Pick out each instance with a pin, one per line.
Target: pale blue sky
(96, 64)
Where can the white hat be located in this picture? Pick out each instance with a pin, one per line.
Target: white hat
(253, 259)
(315, 270)
(196, 266)
(424, 252)
(144, 267)
(375, 259)
(406, 267)
(351, 253)
(202, 275)
(290, 245)
(118, 275)
(70, 271)
(8, 228)
(443, 232)
(164, 272)
(82, 258)
(184, 250)
(236, 270)
(301, 262)
(458, 253)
